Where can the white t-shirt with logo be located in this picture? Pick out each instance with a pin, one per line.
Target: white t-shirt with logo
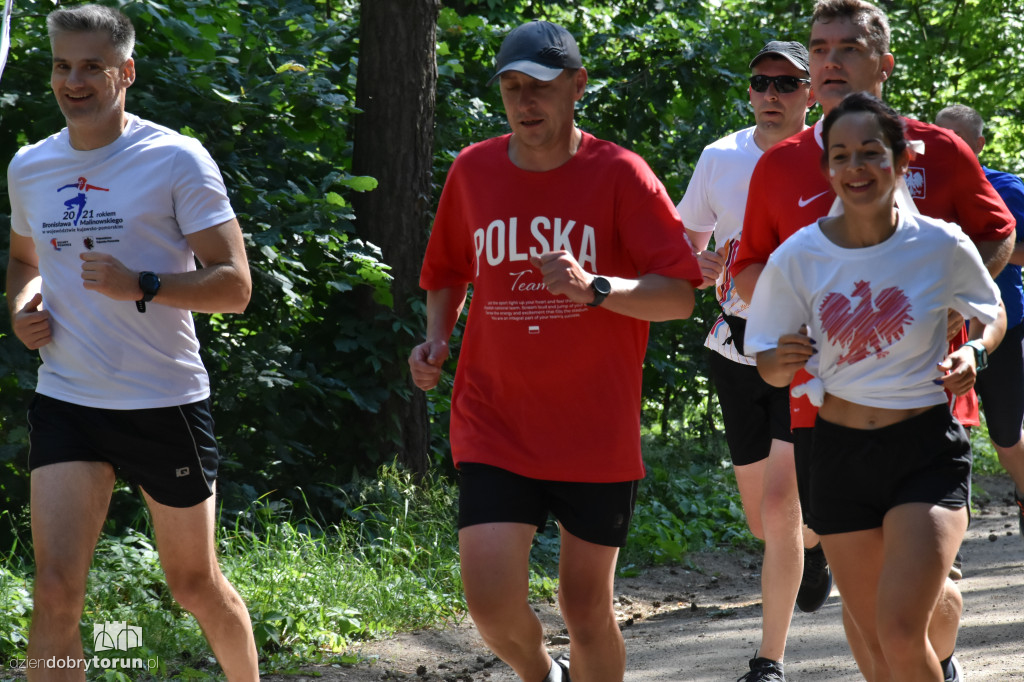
(136, 199)
(715, 201)
(877, 314)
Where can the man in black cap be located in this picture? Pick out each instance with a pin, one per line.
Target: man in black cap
(756, 415)
(572, 246)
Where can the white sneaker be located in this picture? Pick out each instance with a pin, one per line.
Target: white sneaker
(958, 671)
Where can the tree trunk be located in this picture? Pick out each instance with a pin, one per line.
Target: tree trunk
(394, 143)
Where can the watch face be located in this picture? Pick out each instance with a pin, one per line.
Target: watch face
(602, 286)
(149, 282)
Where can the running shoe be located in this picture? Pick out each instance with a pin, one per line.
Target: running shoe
(816, 584)
(958, 671)
(562, 662)
(764, 670)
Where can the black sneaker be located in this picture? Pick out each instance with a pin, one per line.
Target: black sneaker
(816, 584)
(956, 572)
(764, 670)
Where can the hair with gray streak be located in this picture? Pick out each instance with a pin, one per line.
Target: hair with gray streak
(95, 19)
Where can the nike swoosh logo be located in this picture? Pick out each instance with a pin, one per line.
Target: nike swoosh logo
(803, 202)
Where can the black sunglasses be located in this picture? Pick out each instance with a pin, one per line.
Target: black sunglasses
(784, 84)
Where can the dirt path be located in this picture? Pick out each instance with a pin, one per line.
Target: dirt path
(702, 624)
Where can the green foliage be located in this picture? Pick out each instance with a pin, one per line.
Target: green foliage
(967, 52)
(986, 460)
(687, 503)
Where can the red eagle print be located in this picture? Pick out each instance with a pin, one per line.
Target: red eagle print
(868, 328)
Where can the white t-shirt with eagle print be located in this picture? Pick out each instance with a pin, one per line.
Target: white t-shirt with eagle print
(877, 314)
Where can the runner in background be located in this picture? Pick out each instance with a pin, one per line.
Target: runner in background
(756, 415)
(1001, 388)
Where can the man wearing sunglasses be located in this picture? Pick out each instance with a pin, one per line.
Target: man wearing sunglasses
(756, 415)
(849, 52)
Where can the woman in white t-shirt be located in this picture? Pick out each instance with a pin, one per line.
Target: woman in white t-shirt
(861, 300)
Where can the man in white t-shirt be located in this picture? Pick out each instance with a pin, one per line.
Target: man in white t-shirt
(107, 219)
(756, 415)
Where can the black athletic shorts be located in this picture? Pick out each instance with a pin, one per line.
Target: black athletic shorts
(803, 445)
(754, 411)
(858, 475)
(1001, 389)
(596, 512)
(170, 452)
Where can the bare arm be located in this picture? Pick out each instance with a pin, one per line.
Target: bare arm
(31, 324)
(1017, 257)
(649, 297)
(958, 367)
(746, 280)
(699, 240)
(222, 285)
(443, 309)
(711, 263)
(996, 254)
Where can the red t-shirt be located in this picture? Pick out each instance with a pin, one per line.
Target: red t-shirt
(545, 387)
(789, 190)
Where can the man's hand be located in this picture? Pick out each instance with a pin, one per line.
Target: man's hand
(31, 324)
(712, 263)
(959, 372)
(103, 273)
(563, 276)
(425, 362)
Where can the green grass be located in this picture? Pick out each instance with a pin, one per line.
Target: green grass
(390, 564)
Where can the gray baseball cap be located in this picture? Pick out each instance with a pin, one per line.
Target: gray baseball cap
(793, 52)
(539, 49)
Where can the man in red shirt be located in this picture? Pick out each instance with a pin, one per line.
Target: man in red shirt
(849, 52)
(571, 245)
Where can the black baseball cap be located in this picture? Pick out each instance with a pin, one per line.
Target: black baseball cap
(793, 52)
(539, 49)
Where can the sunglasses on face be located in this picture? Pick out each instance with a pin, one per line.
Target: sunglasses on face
(784, 84)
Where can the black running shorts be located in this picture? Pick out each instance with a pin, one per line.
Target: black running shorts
(596, 512)
(803, 445)
(754, 411)
(170, 452)
(858, 475)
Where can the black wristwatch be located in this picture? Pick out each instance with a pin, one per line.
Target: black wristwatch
(149, 282)
(602, 287)
(980, 354)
